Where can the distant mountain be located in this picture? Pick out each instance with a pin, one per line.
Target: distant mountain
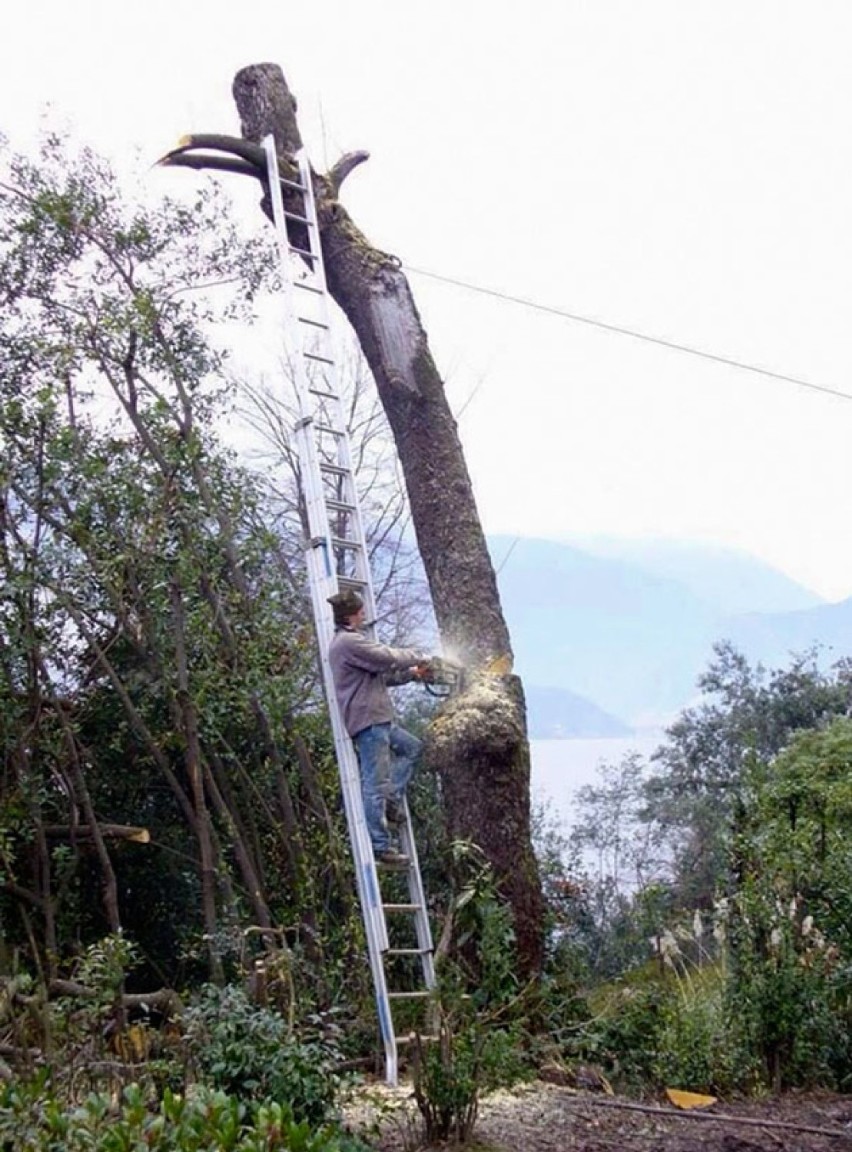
(607, 630)
(774, 637)
(556, 713)
(632, 640)
(730, 580)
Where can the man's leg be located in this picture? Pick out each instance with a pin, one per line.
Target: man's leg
(374, 760)
(405, 752)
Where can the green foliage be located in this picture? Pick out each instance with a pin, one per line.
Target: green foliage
(625, 1036)
(790, 922)
(154, 648)
(453, 1070)
(32, 1117)
(751, 802)
(747, 714)
(695, 1042)
(665, 1024)
(248, 1052)
(478, 1010)
(781, 999)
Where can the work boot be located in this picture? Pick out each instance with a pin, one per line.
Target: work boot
(391, 858)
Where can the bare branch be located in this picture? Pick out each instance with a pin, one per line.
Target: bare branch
(341, 169)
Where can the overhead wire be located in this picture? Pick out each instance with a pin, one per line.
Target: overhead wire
(621, 330)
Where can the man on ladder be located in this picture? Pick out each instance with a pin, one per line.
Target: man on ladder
(387, 754)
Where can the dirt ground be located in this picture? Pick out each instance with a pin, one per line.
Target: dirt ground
(542, 1117)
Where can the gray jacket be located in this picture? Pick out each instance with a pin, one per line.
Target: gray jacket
(362, 670)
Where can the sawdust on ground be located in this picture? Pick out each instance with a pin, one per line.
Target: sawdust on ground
(541, 1117)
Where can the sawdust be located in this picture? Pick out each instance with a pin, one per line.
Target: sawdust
(541, 1117)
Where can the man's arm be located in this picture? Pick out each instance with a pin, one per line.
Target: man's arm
(372, 657)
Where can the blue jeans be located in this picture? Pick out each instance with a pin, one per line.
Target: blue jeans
(387, 755)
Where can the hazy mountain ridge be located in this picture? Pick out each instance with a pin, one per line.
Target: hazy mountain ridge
(603, 628)
(632, 641)
(773, 637)
(556, 713)
(733, 581)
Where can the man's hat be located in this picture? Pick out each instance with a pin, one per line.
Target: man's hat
(345, 604)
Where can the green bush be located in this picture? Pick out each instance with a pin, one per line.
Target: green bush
(625, 1038)
(451, 1072)
(249, 1052)
(33, 1119)
(478, 1009)
(786, 998)
(695, 1050)
(664, 1029)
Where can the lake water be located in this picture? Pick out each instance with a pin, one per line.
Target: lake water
(560, 767)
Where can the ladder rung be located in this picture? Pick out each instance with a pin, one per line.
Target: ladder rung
(319, 359)
(299, 219)
(312, 323)
(294, 184)
(342, 542)
(340, 506)
(329, 431)
(334, 469)
(408, 951)
(308, 287)
(353, 582)
(324, 395)
(302, 252)
(399, 907)
(420, 995)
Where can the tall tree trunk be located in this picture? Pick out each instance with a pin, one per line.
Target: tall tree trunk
(480, 744)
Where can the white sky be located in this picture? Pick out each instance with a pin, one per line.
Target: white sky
(673, 166)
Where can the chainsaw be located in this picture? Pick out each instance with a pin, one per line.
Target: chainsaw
(441, 677)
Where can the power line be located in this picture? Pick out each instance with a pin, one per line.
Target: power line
(621, 331)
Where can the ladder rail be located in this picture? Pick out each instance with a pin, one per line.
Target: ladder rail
(321, 575)
(344, 451)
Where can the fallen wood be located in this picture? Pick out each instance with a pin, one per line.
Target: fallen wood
(108, 831)
(719, 1117)
(163, 999)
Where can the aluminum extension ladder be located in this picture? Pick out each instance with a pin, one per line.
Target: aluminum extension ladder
(337, 558)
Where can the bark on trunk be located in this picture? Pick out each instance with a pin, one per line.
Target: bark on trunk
(480, 743)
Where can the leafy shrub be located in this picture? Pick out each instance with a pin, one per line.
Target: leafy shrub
(33, 1118)
(249, 1052)
(451, 1072)
(626, 1038)
(791, 912)
(786, 996)
(478, 1009)
(696, 1050)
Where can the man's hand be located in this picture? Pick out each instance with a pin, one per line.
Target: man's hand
(424, 672)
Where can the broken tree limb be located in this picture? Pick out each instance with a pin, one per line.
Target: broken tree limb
(108, 831)
(163, 999)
